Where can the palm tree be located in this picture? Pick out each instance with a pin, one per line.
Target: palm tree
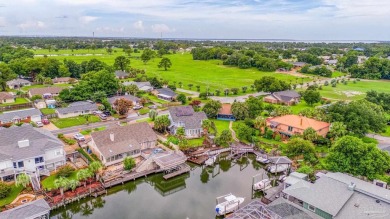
(86, 209)
(39, 79)
(260, 123)
(62, 184)
(87, 117)
(72, 184)
(23, 180)
(83, 175)
(95, 167)
(98, 202)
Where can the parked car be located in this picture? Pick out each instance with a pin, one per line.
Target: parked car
(102, 116)
(39, 124)
(158, 150)
(97, 112)
(79, 137)
(137, 107)
(45, 121)
(152, 107)
(107, 113)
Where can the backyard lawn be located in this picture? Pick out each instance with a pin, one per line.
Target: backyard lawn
(154, 98)
(15, 190)
(26, 88)
(18, 100)
(73, 121)
(47, 111)
(221, 125)
(48, 183)
(88, 131)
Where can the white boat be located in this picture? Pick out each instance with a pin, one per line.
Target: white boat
(230, 204)
(262, 159)
(211, 161)
(278, 168)
(262, 185)
(282, 178)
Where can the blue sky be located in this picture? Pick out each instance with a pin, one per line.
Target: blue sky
(224, 19)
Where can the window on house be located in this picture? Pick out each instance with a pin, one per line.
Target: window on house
(58, 152)
(15, 165)
(39, 160)
(20, 164)
(311, 208)
(290, 129)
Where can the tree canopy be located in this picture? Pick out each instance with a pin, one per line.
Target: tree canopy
(271, 84)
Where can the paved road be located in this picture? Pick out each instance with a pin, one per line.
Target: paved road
(108, 124)
(383, 142)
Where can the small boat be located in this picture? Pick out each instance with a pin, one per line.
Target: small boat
(262, 185)
(277, 168)
(230, 204)
(282, 178)
(262, 159)
(211, 161)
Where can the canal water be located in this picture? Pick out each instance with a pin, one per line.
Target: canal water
(189, 196)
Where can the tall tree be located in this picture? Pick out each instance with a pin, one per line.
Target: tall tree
(6, 74)
(121, 63)
(240, 110)
(122, 106)
(165, 63)
(161, 123)
(212, 108)
(311, 96)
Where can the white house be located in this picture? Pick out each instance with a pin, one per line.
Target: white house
(77, 109)
(30, 150)
(186, 117)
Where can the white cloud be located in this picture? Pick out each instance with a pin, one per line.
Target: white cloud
(87, 19)
(3, 22)
(139, 26)
(162, 28)
(32, 25)
(110, 29)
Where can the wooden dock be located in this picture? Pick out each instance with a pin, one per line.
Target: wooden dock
(273, 193)
(121, 179)
(198, 160)
(184, 168)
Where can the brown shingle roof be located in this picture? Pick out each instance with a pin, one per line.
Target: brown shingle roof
(45, 90)
(5, 96)
(299, 122)
(63, 79)
(226, 109)
(124, 136)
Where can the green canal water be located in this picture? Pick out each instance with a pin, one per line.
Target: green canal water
(189, 196)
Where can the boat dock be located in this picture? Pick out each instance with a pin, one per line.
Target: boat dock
(184, 168)
(273, 193)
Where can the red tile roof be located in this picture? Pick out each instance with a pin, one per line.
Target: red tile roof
(299, 122)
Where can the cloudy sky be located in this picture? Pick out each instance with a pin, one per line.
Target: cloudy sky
(223, 19)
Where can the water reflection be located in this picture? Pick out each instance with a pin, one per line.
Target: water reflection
(168, 187)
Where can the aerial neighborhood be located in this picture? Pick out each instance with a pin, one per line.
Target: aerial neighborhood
(306, 134)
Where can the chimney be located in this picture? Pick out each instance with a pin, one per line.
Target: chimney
(23, 143)
(112, 136)
(351, 186)
(301, 120)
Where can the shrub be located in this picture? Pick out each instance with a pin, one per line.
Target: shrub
(65, 171)
(129, 163)
(81, 151)
(68, 141)
(278, 138)
(5, 189)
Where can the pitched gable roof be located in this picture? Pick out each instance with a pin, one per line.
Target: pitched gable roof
(6, 95)
(17, 82)
(121, 74)
(78, 107)
(187, 115)
(63, 79)
(286, 96)
(45, 90)
(132, 98)
(299, 122)
(166, 91)
(8, 116)
(29, 210)
(126, 138)
(226, 109)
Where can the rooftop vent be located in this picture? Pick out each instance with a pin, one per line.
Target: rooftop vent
(351, 186)
(23, 143)
(112, 136)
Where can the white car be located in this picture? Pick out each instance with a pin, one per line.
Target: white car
(39, 124)
(137, 107)
(79, 137)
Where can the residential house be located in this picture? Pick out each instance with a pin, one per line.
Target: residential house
(121, 74)
(113, 145)
(63, 80)
(31, 150)
(6, 97)
(142, 86)
(165, 94)
(362, 59)
(32, 210)
(338, 195)
(290, 125)
(45, 92)
(20, 116)
(297, 65)
(40, 104)
(18, 83)
(134, 100)
(186, 117)
(332, 62)
(225, 113)
(288, 97)
(77, 109)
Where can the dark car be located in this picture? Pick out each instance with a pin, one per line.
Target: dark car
(107, 113)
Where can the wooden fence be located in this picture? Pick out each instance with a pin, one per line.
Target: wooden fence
(17, 106)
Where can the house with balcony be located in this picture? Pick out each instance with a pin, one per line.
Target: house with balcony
(186, 117)
(290, 125)
(338, 195)
(30, 150)
(114, 144)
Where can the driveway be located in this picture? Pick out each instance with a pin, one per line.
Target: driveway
(383, 142)
(237, 98)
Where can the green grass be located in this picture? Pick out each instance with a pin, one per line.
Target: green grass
(144, 111)
(15, 191)
(387, 132)
(18, 100)
(221, 125)
(47, 111)
(48, 183)
(195, 142)
(337, 74)
(210, 73)
(361, 87)
(144, 120)
(301, 106)
(154, 99)
(73, 121)
(88, 131)
(26, 88)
